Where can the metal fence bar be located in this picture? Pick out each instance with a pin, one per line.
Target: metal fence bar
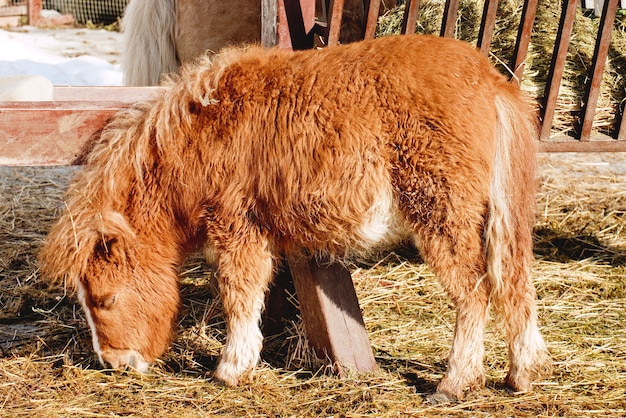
(487, 26)
(529, 12)
(372, 19)
(334, 21)
(450, 13)
(597, 68)
(556, 67)
(409, 20)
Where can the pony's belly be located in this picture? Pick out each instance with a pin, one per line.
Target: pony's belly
(383, 225)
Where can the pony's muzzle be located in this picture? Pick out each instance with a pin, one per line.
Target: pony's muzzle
(124, 359)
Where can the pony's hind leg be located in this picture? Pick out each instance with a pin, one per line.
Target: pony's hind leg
(528, 355)
(456, 255)
(245, 269)
(459, 265)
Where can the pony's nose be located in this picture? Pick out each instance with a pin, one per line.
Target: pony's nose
(124, 359)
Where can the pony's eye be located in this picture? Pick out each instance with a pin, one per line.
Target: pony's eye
(107, 302)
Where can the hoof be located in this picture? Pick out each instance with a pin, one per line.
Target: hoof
(439, 398)
(225, 379)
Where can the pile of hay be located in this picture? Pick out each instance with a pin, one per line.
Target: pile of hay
(579, 59)
(47, 366)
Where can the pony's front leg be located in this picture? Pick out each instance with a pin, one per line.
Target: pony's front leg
(244, 273)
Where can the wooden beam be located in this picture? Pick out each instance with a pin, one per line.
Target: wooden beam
(335, 16)
(49, 133)
(296, 19)
(53, 133)
(269, 23)
(34, 12)
(106, 94)
(598, 143)
(331, 315)
(13, 11)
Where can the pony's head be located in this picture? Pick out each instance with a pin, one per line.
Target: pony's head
(129, 294)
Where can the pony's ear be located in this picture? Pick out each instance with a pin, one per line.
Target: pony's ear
(115, 237)
(76, 239)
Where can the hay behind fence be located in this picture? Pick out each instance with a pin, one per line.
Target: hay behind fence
(579, 58)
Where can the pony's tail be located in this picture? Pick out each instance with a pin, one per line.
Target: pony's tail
(149, 49)
(508, 232)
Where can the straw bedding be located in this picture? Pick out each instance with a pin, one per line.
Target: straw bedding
(47, 366)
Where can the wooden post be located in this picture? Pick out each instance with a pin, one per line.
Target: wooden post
(34, 12)
(523, 39)
(450, 13)
(331, 315)
(372, 19)
(269, 23)
(296, 19)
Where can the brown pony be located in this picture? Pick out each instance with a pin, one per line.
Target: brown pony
(160, 35)
(325, 153)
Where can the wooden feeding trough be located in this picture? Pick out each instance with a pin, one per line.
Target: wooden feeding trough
(329, 304)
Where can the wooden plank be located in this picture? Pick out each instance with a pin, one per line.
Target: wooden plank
(13, 11)
(49, 133)
(597, 68)
(556, 67)
(107, 94)
(10, 21)
(280, 306)
(598, 143)
(269, 23)
(296, 19)
(331, 315)
(53, 133)
(523, 39)
(450, 13)
(372, 19)
(409, 20)
(487, 24)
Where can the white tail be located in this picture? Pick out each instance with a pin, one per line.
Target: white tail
(149, 49)
(508, 233)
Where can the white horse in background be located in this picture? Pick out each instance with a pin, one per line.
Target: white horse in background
(160, 35)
